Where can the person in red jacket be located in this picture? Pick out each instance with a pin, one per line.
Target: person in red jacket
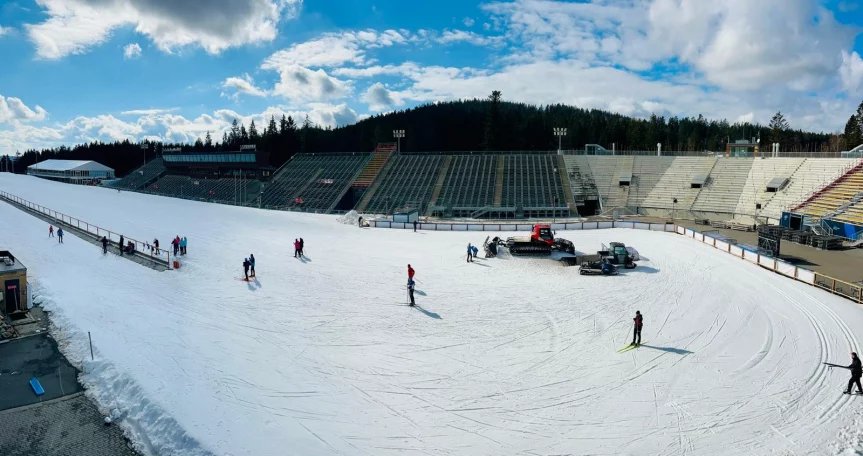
(639, 320)
(296, 248)
(411, 272)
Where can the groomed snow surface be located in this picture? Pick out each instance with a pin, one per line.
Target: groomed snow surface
(505, 356)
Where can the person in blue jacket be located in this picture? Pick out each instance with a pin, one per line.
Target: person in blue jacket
(469, 253)
(411, 291)
(60, 234)
(252, 264)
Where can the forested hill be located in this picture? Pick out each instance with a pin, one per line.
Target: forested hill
(487, 124)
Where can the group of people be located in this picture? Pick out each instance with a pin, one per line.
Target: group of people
(471, 252)
(298, 247)
(179, 245)
(249, 263)
(59, 233)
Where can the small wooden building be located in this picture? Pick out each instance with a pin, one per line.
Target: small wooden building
(13, 278)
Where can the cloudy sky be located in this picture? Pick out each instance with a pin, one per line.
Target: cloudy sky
(73, 71)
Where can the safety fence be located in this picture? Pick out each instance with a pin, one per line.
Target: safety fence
(835, 286)
(141, 248)
(443, 226)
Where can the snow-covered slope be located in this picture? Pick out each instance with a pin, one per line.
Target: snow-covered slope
(504, 356)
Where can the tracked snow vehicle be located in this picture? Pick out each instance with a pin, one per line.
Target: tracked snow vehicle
(540, 242)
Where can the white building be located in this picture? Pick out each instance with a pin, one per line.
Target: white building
(71, 171)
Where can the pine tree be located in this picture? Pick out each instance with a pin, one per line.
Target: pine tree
(253, 133)
(271, 127)
(224, 140)
(283, 126)
(208, 141)
(492, 122)
(244, 135)
(234, 136)
(778, 126)
(852, 132)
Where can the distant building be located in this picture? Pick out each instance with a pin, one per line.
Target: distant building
(742, 148)
(71, 171)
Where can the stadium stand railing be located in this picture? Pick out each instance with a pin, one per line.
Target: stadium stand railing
(835, 197)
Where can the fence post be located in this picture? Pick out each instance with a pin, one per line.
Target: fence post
(833, 286)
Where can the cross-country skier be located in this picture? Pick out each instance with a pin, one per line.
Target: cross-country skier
(50, 230)
(252, 263)
(639, 320)
(856, 373)
(469, 253)
(302, 245)
(246, 265)
(120, 245)
(411, 272)
(60, 234)
(296, 248)
(415, 226)
(411, 290)
(104, 245)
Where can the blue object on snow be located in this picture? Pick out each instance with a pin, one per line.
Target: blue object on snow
(37, 387)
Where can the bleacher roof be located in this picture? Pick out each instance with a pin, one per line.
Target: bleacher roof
(69, 165)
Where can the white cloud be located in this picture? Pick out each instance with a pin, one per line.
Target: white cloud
(851, 72)
(5, 30)
(468, 22)
(456, 36)
(13, 110)
(299, 84)
(245, 85)
(379, 98)
(147, 112)
(132, 51)
(74, 26)
(333, 49)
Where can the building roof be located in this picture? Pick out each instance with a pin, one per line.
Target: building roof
(70, 165)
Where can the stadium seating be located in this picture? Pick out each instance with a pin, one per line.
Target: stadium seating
(406, 180)
(676, 182)
(225, 190)
(724, 186)
(312, 182)
(833, 199)
(532, 181)
(470, 182)
(141, 176)
(812, 175)
(763, 170)
(606, 172)
(646, 173)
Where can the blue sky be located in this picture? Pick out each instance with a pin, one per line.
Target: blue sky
(81, 70)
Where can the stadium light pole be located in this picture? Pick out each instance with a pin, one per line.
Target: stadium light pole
(560, 133)
(144, 149)
(398, 134)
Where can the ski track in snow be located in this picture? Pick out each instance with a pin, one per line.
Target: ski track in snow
(322, 357)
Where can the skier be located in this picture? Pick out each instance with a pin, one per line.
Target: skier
(104, 245)
(475, 251)
(120, 245)
(60, 234)
(246, 265)
(411, 291)
(50, 230)
(296, 248)
(469, 253)
(637, 332)
(302, 244)
(156, 245)
(176, 244)
(252, 263)
(411, 272)
(856, 373)
(415, 226)
(183, 246)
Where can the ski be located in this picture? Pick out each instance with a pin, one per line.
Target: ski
(628, 347)
(852, 394)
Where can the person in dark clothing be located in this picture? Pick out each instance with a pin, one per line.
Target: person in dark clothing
(120, 245)
(246, 265)
(60, 235)
(296, 248)
(415, 226)
(104, 245)
(252, 263)
(156, 245)
(360, 222)
(176, 244)
(50, 230)
(639, 320)
(469, 253)
(411, 290)
(302, 244)
(856, 373)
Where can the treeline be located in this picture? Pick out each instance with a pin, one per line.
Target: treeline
(482, 124)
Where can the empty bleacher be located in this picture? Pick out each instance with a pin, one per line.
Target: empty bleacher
(676, 182)
(532, 181)
(141, 176)
(469, 182)
(813, 174)
(606, 173)
(832, 200)
(406, 180)
(225, 190)
(725, 185)
(646, 173)
(763, 170)
(319, 180)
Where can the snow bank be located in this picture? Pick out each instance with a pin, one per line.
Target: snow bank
(349, 218)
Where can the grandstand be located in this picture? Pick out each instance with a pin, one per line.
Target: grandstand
(676, 183)
(724, 186)
(231, 191)
(812, 175)
(469, 184)
(604, 173)
(835, 198)
(646, 173)
(755, 192)
(142, 176)
(532, 184)
(313, 182)
(407, 180)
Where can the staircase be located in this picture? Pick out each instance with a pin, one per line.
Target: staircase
(567, 187)
(498, 183)
(441, 178)
(380, 157)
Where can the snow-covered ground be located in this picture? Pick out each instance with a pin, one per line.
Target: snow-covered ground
(504, 356)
